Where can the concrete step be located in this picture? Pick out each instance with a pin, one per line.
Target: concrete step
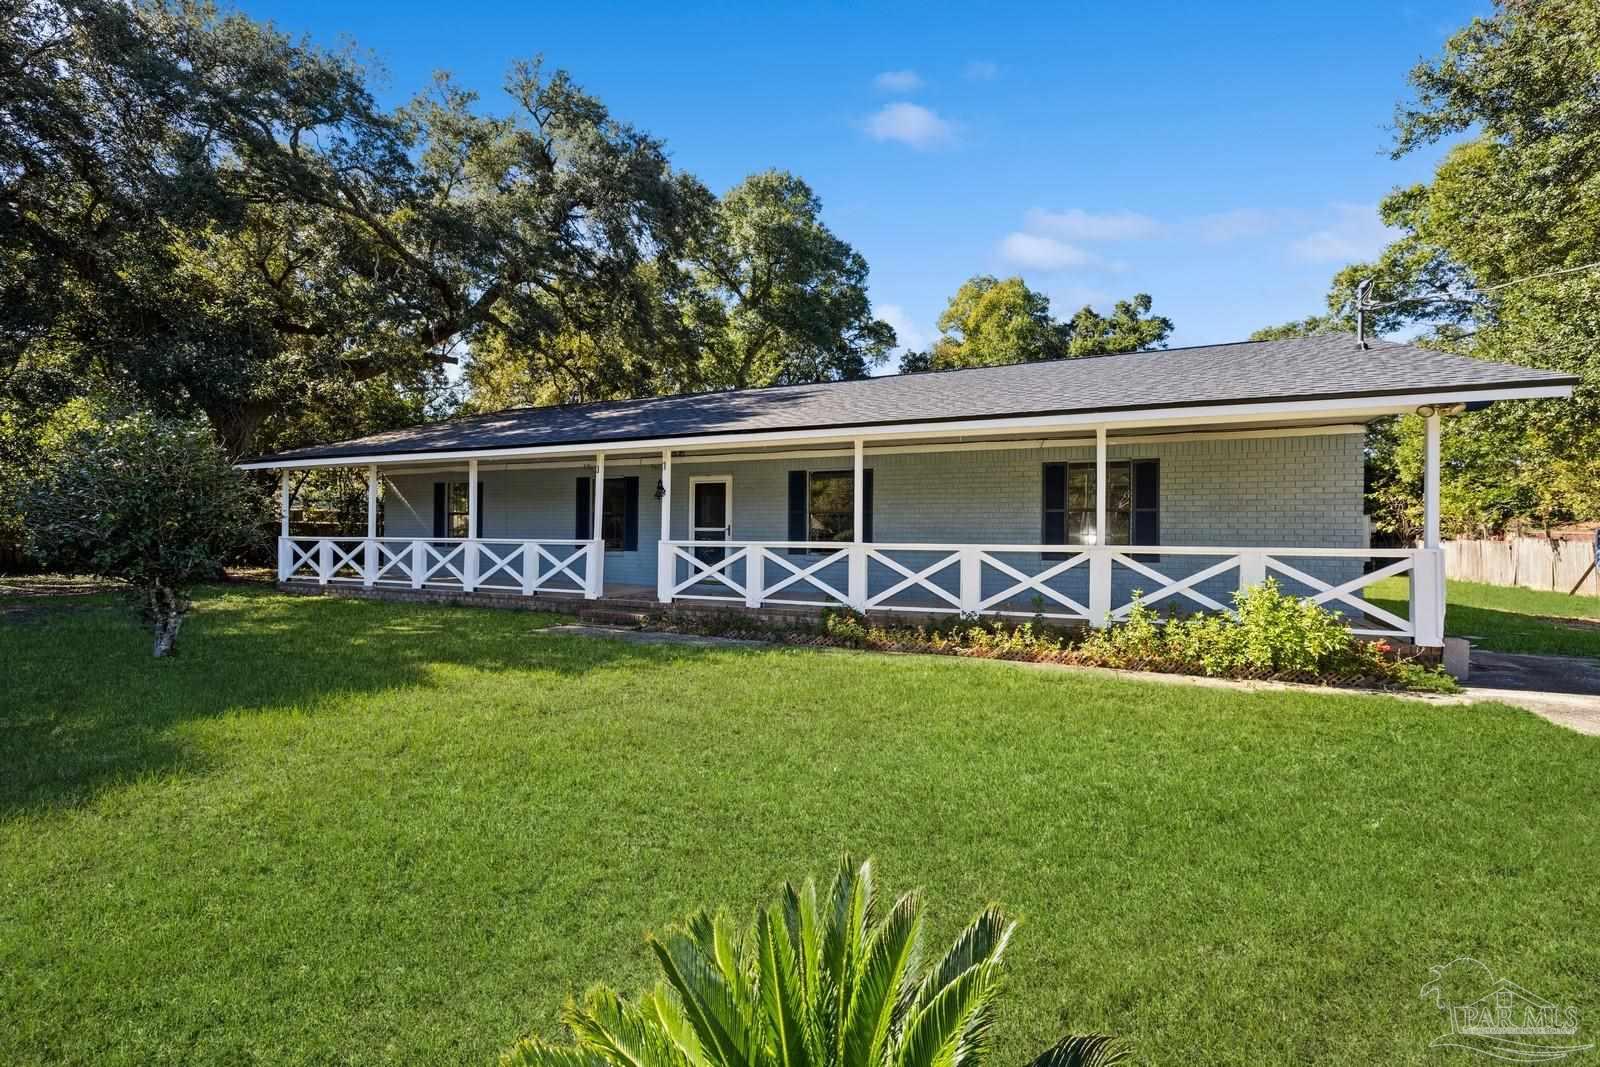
(612, 617)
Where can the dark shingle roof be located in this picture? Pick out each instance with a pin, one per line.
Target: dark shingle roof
(1301, 368)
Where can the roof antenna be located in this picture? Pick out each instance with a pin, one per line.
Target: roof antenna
(1362, 288)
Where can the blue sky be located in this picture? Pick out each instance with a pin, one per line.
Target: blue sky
(1225, 158)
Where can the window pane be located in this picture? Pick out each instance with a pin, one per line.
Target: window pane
(456, 506)
(1119, 503)
(832, 506)
(613, 516)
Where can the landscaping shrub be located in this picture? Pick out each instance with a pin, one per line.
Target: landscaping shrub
(1272, 635)
(830, 984)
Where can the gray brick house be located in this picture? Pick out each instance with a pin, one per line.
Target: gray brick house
(1059, 489)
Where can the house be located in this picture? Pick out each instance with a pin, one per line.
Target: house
(1057, 489)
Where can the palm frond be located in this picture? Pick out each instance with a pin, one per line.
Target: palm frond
(783, 995)
(841, 942)
(881, 981)
(709, 1002)
(984, 940)
(954, 1023)
(1084, 1050)
(532, 1052)
(619, 1033)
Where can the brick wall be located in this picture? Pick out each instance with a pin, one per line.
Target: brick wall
(1243, 492)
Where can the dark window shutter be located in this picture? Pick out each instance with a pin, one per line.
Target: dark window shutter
(480, 509)
(797, 508)
(440, 527)
(866, 504)
(1053, 528)
(585, 526)
(1146, 525)
(630, 514)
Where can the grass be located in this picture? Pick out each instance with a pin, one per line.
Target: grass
(335, 831)
(1505, 619)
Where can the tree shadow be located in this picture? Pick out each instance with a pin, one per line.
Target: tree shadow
(1496, 630)
(87, 707)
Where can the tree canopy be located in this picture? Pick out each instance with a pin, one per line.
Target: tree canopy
(195, 206)
(1474, 269)
(766, 295)
(991, 321)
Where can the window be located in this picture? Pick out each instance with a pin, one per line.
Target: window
(619, 513)
(1133, 503)
(822, 506)
(831, 506)
(456, 510)
(614, 515)
(450, 510)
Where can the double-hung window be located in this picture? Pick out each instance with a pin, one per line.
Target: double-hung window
(1133, 503)
(822, 506)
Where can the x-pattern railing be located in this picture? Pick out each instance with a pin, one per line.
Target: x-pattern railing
(338, 558)
(558, 567)
(304, 557)
(709, 570)
(452, 559)
(917, 575)
(1035, 583)
(391, 559)
(492, 562)
(914, 579)
(1344, 594)
(810, 575)
(1168, 586)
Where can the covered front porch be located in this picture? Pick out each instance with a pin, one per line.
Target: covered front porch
(1070, 526)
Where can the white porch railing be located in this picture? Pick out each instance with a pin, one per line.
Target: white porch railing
(1088, 584)
(494, 564)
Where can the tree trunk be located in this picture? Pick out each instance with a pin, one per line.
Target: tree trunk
(166, 615)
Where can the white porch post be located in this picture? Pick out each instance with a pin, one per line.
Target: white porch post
(1099, 553)
(1430, 490)
(1427, 573)
(858, 547)
(469, 554)
(597, 547)
(283, 527)
(666, 567)
(369, 571)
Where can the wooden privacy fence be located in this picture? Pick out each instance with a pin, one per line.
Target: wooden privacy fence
(1530, 562)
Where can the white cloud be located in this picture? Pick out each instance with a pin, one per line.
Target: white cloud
(910, 124)
(981, 70)
(1041, 253)
(1066, 300)
(1238, 223)
(899, 81)
(1078, 225)
(1356, 233)
(906, 332)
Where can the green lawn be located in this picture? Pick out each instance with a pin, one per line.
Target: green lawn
(1506, 619)
(334, 831)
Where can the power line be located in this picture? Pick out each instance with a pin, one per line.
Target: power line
(1469, 293)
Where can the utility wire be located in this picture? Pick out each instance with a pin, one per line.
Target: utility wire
(1469, 293)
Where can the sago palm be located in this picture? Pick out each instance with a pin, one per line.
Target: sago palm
(809, 985)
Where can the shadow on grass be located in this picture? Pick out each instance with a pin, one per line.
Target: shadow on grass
(86, 706)
(1516, 632)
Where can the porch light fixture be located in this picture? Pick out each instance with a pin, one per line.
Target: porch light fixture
(661, 489)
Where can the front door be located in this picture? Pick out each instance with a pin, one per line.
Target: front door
(713, 516)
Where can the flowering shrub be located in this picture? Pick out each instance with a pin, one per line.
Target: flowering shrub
(1271, 635)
